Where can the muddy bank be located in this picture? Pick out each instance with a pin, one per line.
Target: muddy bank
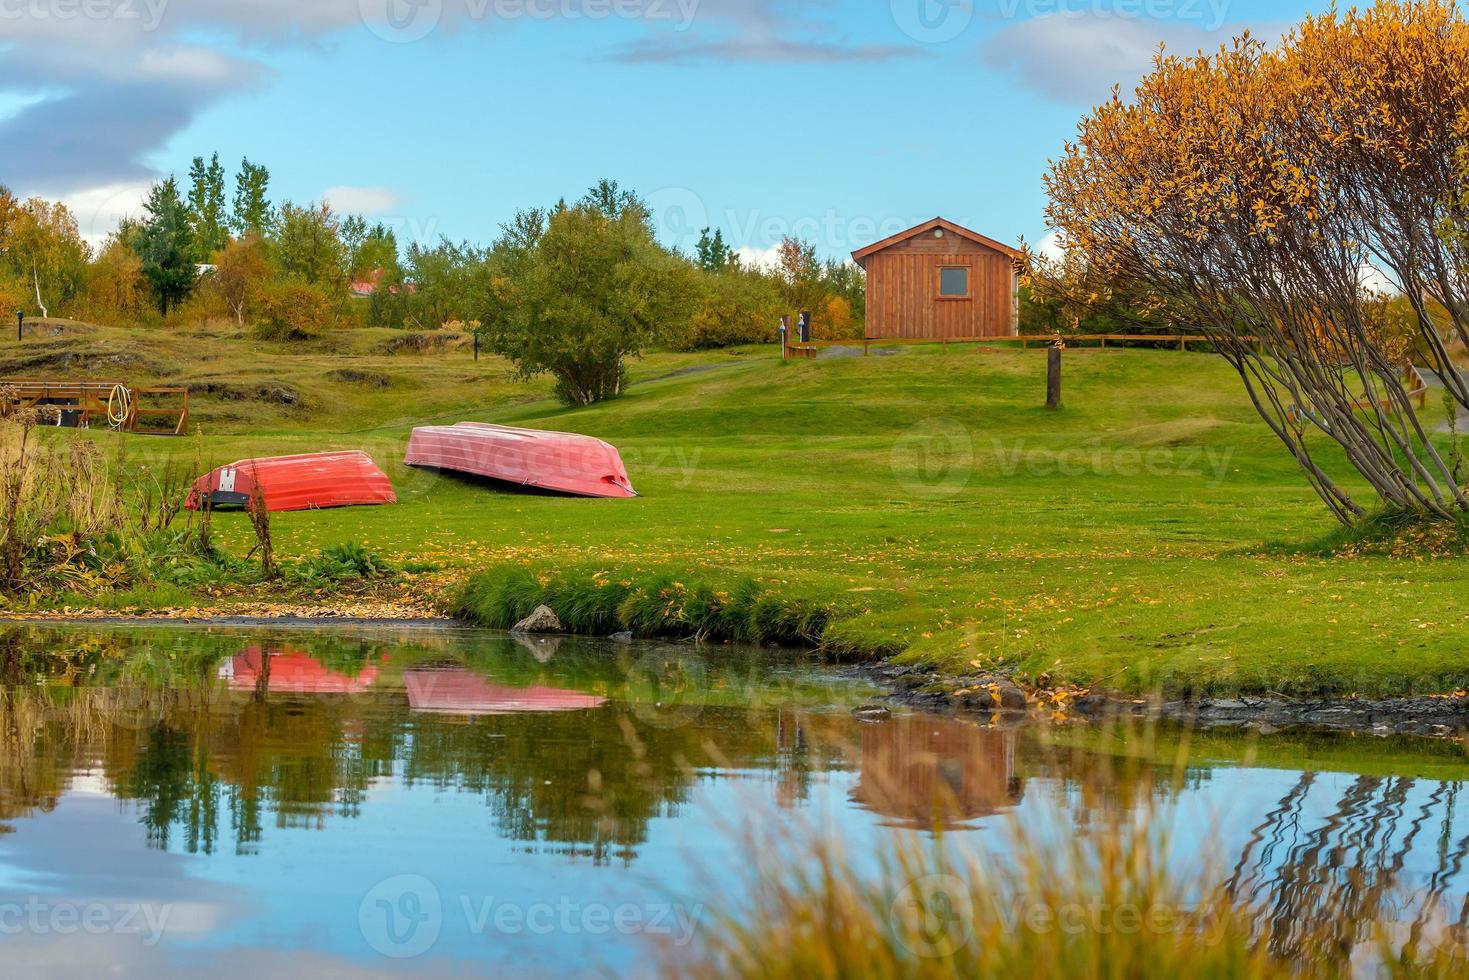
(987, 695)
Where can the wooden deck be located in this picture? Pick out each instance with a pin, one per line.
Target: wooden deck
(99, 404)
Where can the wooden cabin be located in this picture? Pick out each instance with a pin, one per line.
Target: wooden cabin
(941, 281)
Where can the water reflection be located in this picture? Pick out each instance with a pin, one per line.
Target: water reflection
(457, 691)
(293, 671)
(536, 770)
(1328, 860)
(922, 773)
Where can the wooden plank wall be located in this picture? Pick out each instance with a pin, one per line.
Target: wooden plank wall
(902, 291)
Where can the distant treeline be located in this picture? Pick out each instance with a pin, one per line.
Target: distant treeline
(202, 251)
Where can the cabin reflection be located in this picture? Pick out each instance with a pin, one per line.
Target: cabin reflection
(921, 773)
(460, 692)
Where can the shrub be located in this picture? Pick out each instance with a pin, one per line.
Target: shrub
(294, 310)
(10, 302)
(835, 322)
(349, 561)
(737, 307)
(656, 605)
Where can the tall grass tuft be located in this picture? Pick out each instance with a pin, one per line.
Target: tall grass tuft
(1092, 903)
(660, 605)
(1084, 883)
(76, 518)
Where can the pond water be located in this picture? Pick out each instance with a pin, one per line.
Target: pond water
(249, 801)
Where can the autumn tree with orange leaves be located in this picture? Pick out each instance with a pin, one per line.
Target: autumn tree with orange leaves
(1248, 190)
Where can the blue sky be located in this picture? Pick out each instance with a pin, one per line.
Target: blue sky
(836, 120)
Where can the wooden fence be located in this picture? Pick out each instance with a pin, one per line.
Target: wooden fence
(102, 404)
(812, 348)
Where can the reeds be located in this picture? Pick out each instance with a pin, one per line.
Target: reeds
(74, 517)
(1091, 880)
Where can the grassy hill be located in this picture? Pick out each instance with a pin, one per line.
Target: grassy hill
(1151, 534)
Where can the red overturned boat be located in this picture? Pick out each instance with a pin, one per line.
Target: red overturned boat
(292, 672)
(309, 482)
(559, 461)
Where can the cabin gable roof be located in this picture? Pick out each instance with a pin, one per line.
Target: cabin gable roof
(861, 255)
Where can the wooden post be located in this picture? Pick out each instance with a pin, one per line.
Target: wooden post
(20, 324)
(1053, 378)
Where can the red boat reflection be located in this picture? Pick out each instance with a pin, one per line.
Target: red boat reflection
(292, 672)
(456, 691)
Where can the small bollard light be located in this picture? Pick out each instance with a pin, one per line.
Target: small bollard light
(20, 324)
(785, 338)
(806, 328)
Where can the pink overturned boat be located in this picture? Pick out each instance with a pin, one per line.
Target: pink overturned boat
(560, 461)
(456, 691)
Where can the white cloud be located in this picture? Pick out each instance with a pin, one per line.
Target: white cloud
(1048, 246)
(362, 200)
(1076, 59)
(1375, 280)
(759, 258)
(99, 209)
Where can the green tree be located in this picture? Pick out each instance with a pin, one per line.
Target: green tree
(165, 242)
(608, 198)
(712, 254)
(207, 206)
(447, 282)
(308, 245)
(252, 208)
(591, 292)
(370, 250)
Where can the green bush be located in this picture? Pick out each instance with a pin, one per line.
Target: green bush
(349, 561)
(656, 605)
(294, 311)
(737, 306)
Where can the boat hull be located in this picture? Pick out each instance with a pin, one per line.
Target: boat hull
(561, 462)
(287, 483)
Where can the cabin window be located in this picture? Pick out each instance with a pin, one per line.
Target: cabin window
(954, 282)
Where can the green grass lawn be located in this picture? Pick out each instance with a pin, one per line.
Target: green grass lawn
(1148, 536)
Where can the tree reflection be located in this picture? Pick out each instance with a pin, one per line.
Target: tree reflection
(221, 739)
(293, 735)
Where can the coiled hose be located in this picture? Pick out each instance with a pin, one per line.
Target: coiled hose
(119, 407)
